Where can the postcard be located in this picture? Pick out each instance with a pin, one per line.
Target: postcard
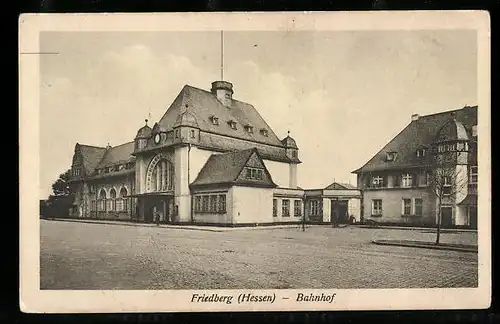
(277, 161)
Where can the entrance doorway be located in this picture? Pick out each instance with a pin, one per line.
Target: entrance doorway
(473, 217)
(159, 204)
(339, 212)
(446, 216)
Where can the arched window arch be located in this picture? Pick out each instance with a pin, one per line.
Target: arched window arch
(160, 175)
(102, 200)
(111, 200)
(122, 201)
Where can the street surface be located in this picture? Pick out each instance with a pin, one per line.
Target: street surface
(102, 256)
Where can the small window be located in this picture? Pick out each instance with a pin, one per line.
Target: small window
(215, 120)
(177, 133)
(232, 124)
(474, 131)
(297, 208)
(421, 152)
(391, 156)
(406, 207)
(263, 132)
(197, 204)
(275, 207)
(314, 208)
(222, 204)
(213, 204)
(285, 208)
(376, 207)
(377, 182)
(473, 174)
(418, 206)
(204, 204)
(249, 129)
(193, 133)
(294, 153)
(407, 180)
(447, 182)
(423, 178)
(253, 174)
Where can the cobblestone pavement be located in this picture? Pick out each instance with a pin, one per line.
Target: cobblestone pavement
(100, 256)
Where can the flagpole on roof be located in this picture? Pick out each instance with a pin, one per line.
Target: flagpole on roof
(222, 55)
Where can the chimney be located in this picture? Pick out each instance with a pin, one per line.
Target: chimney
(414, 117)
(224, 92)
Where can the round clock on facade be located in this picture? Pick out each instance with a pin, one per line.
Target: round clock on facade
(157, 138)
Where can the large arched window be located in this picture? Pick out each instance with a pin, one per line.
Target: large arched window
(160, 175)
(111, 200)
(102, 200)
(121, 202)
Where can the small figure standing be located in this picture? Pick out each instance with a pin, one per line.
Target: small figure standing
(157, 218)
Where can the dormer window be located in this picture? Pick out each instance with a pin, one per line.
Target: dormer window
(421, 152)
(214, 120)
(232, 124)
(391, 156)
(249, 129)
(263, 132)
(177, 133)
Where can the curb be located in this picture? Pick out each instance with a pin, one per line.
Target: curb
(449, 230)
(416, 244)
(193, 228)
(135, 225)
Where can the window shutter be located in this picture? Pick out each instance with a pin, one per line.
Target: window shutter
(402, 206)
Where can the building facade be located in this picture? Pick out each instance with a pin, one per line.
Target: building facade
(399, 183)
(210, 159)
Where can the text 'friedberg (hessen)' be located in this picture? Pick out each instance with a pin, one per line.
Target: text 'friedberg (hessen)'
(228, 299)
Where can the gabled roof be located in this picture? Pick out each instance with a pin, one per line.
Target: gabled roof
(203, 105)
(117, 154)
(419, 133)
(91, 156)
(225, 168)
(340, 186)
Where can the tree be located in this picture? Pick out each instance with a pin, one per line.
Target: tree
(446, 179)
(60, 186)
(61, 199)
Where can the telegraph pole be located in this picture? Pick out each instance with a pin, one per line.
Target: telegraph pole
(222, 55)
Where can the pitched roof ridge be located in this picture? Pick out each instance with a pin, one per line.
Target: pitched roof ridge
(129, 142)
(92, 146)
(447, 111)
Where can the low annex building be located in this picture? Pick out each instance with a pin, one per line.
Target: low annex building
(396, 183)
(210, 159)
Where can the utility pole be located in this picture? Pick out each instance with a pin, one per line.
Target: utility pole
(222, 55)
(304, 214)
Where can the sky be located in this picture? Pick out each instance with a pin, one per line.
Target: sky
(342, 94)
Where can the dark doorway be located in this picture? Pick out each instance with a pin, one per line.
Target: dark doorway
(158, 204)
(473, 217)
(446, 217)
(339, 212)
